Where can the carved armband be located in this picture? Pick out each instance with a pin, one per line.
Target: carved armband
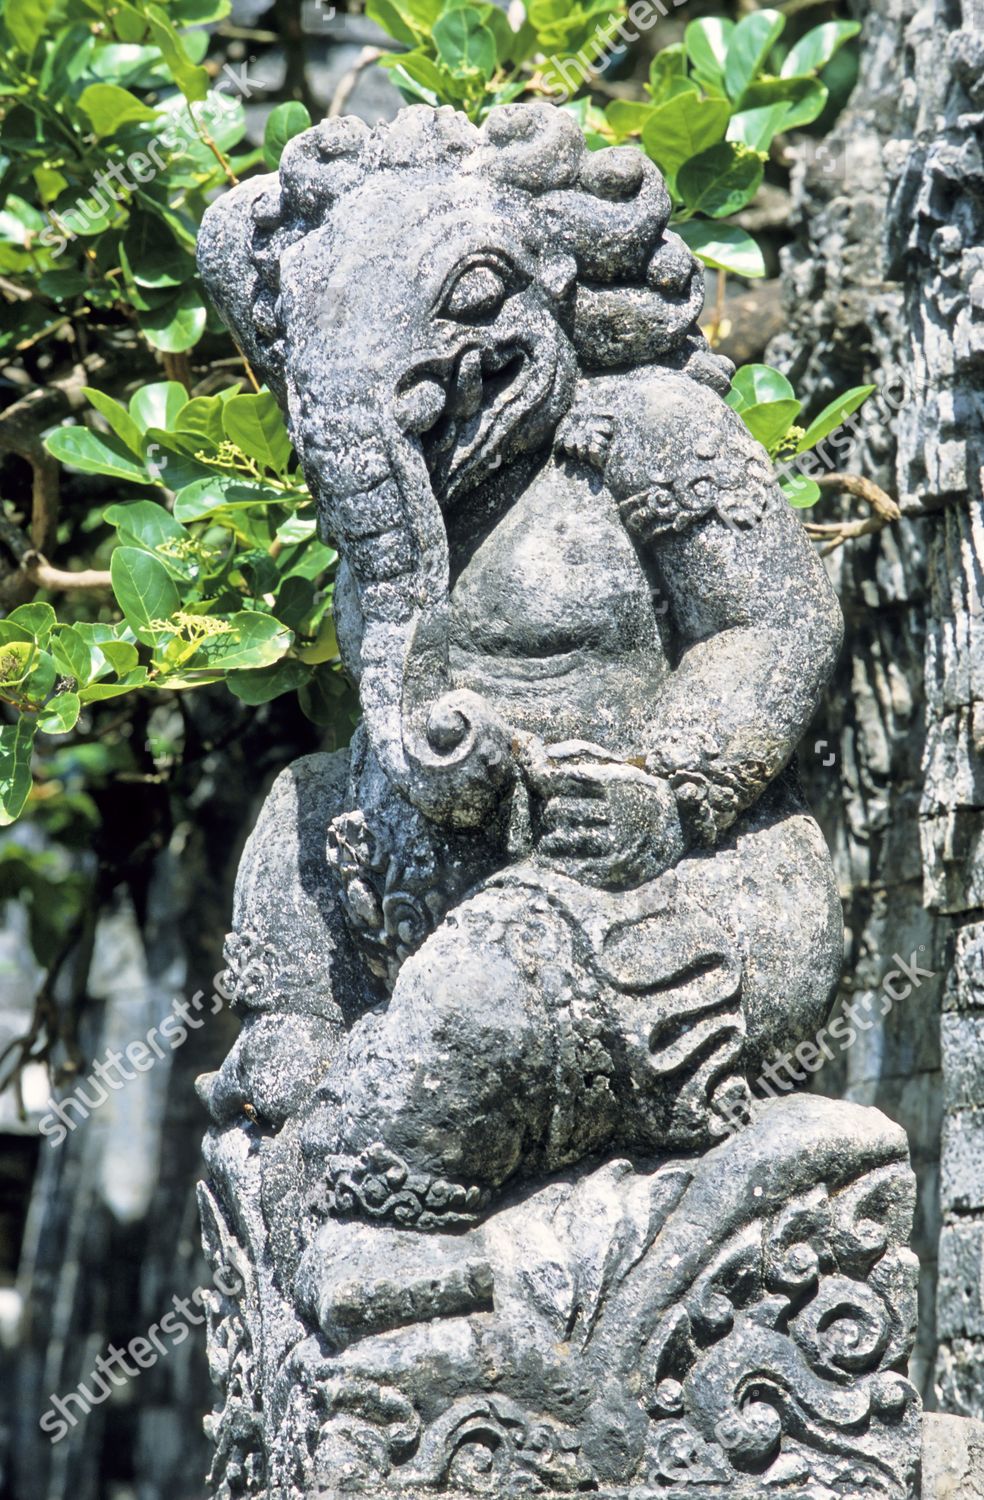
(715, 477)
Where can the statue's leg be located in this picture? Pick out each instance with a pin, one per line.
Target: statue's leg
(456, 1079)
(771, 886)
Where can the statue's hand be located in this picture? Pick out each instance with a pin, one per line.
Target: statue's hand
(598, 819)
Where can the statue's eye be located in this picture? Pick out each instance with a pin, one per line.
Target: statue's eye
(478, 293)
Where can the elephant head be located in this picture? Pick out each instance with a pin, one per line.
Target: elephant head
(422, 297)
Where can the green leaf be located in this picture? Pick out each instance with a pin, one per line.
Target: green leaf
(755, 383)
(799, 490)
(283, 123)
(266, 683)
(151, 258)
(71, 655)
(779, 91)
(66, 61)
(178, 324)
(389, 17)
(319, 697)
(725, 247)
(37, 620)
(418, 77)
(720, 181)
(769, 421)
(255, 425)
(16, 660)
(814, 50)
(804, 99)
(158, 405)
(170, 459)
(127, 64)
(108, 108)
(40, 679)
(143, 523)
(202, 418)
(221, 492)
(512, 46)
(682, 128)
(748, 47)
(668, 74)
(11, 632)
(117, 416)
(464, 43)
(97, 692)
(60, 714)
(756, 128)
(99, 636)
(27, 21)
(706, 42)
(121, 655)
(16, 744)
(63, 285)
(81, 449)
(808, 106)
(256, 640)
(190, 79)
(144, 591)
(297, 529)
(831, 417)
(297, 602)
(625, 117)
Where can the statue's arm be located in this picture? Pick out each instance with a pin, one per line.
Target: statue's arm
(751, 612)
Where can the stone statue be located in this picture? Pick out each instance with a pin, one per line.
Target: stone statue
(494, 1153)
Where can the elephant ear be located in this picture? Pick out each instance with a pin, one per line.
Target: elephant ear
(241, 280)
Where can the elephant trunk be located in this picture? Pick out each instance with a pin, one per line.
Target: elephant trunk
(444, 749)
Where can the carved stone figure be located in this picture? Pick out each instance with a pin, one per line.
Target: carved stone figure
(495, 1153)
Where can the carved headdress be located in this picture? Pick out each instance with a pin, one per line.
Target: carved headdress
(637, 296)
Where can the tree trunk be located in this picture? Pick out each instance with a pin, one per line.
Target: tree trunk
(885, 284)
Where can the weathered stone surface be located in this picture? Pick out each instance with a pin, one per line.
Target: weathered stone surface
(884, 286)
(492, 1155)
(962, 1038)
(962, 1189)
(962, 1281)
(960, 1376)
(953, 1458)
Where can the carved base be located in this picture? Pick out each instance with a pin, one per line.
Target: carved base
(737, 1324)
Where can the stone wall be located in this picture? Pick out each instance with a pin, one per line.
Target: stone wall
(886, 284)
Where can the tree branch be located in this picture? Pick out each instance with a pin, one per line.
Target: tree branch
(42, 575)
(836, 533)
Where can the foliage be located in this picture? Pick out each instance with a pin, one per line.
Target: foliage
(112, 144)
(115, 138)
(767, 404)
(714, 109)
(469, 55)
(225, 584)
(714, 106)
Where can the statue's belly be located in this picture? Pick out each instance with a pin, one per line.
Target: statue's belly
(553, 619)
(570, 696)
